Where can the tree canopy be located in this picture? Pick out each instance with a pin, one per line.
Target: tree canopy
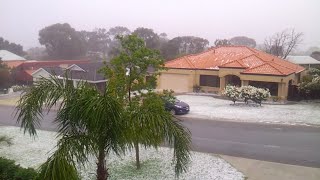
(316, 55)
(310, 85)
(62, 41)
(12, 47)
(184, 45)
(243, 41)
(151, 38)
(222, 42)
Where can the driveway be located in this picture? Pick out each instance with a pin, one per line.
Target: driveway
(206, 107)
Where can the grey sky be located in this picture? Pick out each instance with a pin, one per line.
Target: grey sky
(21, 20)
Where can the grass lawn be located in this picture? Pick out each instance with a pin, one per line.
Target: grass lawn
(156, 164)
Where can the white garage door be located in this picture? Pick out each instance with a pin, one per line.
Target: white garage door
(176, 82)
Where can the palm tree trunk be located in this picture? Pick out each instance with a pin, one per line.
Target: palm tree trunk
(136, 146)
(102, 172)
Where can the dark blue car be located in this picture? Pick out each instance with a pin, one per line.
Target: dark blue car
(177, 107)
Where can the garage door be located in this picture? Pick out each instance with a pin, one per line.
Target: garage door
(176, 82)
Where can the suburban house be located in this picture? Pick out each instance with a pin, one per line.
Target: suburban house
(88, 72)
(305, 61)
(217, 67)
(9, 56)
(23, 69)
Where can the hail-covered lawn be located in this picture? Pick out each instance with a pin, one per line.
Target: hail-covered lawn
(156, 164)
(212, 108)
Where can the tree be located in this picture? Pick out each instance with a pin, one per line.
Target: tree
(310, 85)
(89, 123)
(37, 53)
(5, 76)
(97, 41)
(222, 42)
(243, 41)
(184, 45)
(144, 111)
(12, 47)
(113, 33)
(151, 38)
(62, 41)
(283, 43)
(316, 55)
(118, 31)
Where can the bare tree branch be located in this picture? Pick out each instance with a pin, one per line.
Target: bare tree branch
(283, 43)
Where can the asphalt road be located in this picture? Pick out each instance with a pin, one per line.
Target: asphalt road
(297, 145)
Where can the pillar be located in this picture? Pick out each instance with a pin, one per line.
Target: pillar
(222, 84)
(244, 82)
(283, 90)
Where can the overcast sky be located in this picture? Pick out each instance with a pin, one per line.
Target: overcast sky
(21, 20)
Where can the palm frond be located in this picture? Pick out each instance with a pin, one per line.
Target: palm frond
(152, 124)
(44, 94)
(6, 139)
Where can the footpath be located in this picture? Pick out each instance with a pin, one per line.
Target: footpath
(263, 170)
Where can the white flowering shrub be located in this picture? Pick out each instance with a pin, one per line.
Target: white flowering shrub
(232, 92)
(260, 95)
(16, 88)
(246, 93)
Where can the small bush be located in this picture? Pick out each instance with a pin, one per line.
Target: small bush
(16, 88)
(196, 88)
(10, 171)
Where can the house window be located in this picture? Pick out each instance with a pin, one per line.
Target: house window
(207, 80)
(272, 86)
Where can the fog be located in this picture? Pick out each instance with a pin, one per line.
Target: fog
(21, 20)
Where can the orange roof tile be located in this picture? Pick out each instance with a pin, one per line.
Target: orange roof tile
(252, 60)
(12, 64)
(30, 72)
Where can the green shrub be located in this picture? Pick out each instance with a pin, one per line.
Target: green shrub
(10, 171)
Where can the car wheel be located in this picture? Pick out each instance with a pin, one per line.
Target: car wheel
(173, 112)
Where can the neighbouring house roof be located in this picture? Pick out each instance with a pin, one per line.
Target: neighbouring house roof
(54, 70)
(89, 72)
(34, 65)
(9, 56)
(251, 60)
(302, 60)
(13, 64)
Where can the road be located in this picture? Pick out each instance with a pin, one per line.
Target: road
(297, 145)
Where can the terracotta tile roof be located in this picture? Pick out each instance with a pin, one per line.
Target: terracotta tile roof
(29, 72)
(12, 64)
(251, 60)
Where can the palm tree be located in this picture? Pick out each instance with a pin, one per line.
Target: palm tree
(89, 123)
